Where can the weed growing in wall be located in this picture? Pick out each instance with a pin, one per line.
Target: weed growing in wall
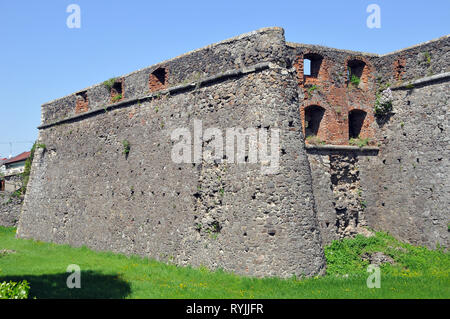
(383, 102)
(116, 98)
(126, 147)
(314, 140)
(109, 83)
(360, 142)
(426, 58)
(363, 204)
(355, 80)
(312, 89)
(359, 191)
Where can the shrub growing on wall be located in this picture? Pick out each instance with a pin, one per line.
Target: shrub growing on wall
(383, 103)
(27, 169)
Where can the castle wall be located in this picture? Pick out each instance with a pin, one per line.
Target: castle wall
(107, 179)
(335, 172)
(408, 184)
(260, 46)
(332, 90)
(403, 186)
(409, 64)
(84, 190)
(340, 194)
(10, 206)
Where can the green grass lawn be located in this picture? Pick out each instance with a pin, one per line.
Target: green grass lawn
(418, 273)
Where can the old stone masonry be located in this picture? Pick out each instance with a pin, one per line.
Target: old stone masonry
(362, 143)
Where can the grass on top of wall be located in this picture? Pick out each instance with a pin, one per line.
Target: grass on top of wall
(418, 273)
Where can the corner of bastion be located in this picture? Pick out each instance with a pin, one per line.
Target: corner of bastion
(248, 155)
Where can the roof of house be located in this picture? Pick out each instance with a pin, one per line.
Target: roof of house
(21, 157)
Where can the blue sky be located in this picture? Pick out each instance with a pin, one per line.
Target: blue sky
(41, 59)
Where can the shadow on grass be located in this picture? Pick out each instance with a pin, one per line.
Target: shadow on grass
(93, 285)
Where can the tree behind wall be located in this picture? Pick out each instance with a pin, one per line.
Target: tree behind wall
(27, 169)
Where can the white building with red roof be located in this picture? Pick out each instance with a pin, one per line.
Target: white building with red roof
(10, 170)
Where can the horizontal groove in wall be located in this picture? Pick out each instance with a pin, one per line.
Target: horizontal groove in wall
(328, 147)
(421, 81)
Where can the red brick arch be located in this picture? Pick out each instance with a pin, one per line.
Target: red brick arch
(158, 79)
(366, 130)
(320, 69)
(366, 72)
(314, 126)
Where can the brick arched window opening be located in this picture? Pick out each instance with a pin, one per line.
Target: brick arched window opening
(355, 122)
(81, 102)
(355, 71)
(313, 118)
(158, 79)
(117, 93)
(311, 64)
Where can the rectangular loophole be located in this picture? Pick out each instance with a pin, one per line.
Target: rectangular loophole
(117, 91)
(158, 80)
(81, 102)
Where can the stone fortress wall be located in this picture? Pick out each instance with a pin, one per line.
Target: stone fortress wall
(87, 189)
(409, 183)
(371, 186)
(84, 191)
